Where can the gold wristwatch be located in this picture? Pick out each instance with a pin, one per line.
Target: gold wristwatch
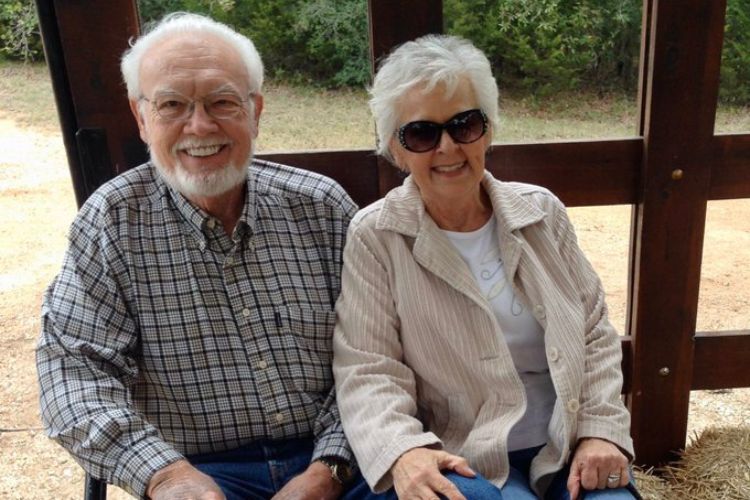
(341, 471)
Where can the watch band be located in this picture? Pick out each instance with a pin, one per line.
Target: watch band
(341, 471)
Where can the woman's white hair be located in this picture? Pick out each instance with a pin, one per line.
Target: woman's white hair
(179, 23)
(429, 61)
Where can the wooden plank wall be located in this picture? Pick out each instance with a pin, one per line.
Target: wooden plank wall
(668, 171)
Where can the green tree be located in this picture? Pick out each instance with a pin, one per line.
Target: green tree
(337, 42)
(19, 31)
(735, 60)
(552, 45)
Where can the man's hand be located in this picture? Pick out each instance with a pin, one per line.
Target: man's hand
(316, 483)
(597, 464)
(182, 481)
(416, 474)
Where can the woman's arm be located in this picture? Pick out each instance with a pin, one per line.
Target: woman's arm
(376, 390)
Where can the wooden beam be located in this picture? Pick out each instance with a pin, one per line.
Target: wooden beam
(721, 360)
(580, 173)
(356, 170)
(730, 175)
(680, 105)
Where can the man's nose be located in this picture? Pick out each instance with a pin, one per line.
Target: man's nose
(200, 122)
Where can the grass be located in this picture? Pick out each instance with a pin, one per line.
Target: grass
(300, 118)
(26, 95)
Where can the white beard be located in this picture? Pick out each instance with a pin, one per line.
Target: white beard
(212, 184)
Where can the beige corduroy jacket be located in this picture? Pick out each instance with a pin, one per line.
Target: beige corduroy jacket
(419, 358)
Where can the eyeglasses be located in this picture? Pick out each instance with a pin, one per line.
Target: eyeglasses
(220, 106)
(464, 128)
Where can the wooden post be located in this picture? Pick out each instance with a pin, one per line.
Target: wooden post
(680, 94)
(393, 22)
(83, 44)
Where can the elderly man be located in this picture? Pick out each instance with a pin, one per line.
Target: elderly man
(186, 343)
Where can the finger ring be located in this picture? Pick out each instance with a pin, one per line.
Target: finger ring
(613, 479)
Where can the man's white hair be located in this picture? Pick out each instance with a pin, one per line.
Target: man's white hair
(180, 23)
(429, 61)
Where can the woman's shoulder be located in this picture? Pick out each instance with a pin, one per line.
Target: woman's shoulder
(367, 217)
(537, 196)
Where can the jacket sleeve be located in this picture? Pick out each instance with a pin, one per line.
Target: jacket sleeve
(602, 414)
(376, 390)
(330, 439)
(86, 366)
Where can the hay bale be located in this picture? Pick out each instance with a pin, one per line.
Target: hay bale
(650, 486)
(716, 466)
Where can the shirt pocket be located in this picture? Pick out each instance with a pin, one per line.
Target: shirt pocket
(306, 336)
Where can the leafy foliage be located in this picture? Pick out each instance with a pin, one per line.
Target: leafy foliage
(337, 41)
(553, 45)
(735, 60)
(19, 31)
(544, 46)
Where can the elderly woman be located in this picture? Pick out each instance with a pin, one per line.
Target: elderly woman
(472, 332)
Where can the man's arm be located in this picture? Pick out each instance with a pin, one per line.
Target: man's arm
(86, 364)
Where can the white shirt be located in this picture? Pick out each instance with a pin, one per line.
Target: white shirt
(524, 336)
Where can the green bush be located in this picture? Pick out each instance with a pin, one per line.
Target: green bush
(553, 45)
(19, 31)
(735, 60)
(544, 46)
(337, 42)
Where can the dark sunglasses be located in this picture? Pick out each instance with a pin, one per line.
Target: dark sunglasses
(464, 128)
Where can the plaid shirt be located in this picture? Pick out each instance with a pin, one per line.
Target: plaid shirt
(164, 336)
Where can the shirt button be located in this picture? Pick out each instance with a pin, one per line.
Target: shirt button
(554, 354)
(574, 406)
(211, 223)
(246, 312)
(263, 365)
(279, 418)
(540, 312)
(229, 261)
(202, 245)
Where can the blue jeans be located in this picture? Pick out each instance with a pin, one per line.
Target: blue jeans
(259, 470)
(517, 487)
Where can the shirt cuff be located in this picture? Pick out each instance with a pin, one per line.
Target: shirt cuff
(333, 444)
(139, 463)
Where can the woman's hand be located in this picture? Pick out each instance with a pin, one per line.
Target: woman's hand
(597, 464)
(416, 474)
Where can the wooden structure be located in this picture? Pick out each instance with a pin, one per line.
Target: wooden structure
(668, 171)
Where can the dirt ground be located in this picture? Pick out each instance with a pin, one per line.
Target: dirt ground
(37, 204)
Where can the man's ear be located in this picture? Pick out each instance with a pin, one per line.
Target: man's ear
(258, 106)
(135, 109)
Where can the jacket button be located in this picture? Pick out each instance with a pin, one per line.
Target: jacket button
(574, 406)
(540, 312)
(554, 354)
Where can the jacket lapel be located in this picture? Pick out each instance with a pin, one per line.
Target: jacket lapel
(403, 212)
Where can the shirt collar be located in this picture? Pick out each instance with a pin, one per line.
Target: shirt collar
(403, 210)
(200, 223)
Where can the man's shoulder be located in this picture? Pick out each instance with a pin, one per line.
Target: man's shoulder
(133, 186)
(133, 190)
(276, 179)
